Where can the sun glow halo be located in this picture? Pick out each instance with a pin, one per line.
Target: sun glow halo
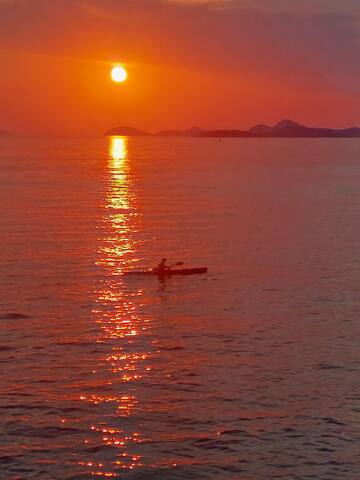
(119, 74)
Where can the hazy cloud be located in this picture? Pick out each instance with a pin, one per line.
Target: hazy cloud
(309, 41)
(219, 60)
(319, 6)
(287, 37)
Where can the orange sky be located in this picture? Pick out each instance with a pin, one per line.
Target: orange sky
(214, 64)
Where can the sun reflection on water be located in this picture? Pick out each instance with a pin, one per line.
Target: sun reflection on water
(122, 330)
(118, 148)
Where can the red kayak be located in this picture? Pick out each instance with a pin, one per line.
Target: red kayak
(176, 271)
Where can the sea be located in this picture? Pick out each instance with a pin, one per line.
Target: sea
(248, 372)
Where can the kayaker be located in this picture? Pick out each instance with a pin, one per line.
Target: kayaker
(162, 267)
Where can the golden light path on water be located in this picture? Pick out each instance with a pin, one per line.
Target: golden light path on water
(116, 314)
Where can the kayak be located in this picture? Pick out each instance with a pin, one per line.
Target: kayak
(177, 271)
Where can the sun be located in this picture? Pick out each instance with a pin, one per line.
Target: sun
(119, 74)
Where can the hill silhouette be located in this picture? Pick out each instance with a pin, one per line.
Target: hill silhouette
(284, 129)
(287, 129)
(134, 132)
(126, 132)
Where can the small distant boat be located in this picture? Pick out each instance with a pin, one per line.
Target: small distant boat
(170, 272)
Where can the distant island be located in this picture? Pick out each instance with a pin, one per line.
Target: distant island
(284, 129)
(134, 132)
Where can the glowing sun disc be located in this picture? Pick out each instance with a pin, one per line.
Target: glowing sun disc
(118, 74)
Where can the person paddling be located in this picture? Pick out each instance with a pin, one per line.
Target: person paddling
(162, 267)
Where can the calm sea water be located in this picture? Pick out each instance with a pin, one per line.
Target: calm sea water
(250, 372)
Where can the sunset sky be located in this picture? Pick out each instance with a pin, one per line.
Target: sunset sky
(214, 64)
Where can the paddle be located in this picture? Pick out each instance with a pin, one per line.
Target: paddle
(176, 264)
(167, 268)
